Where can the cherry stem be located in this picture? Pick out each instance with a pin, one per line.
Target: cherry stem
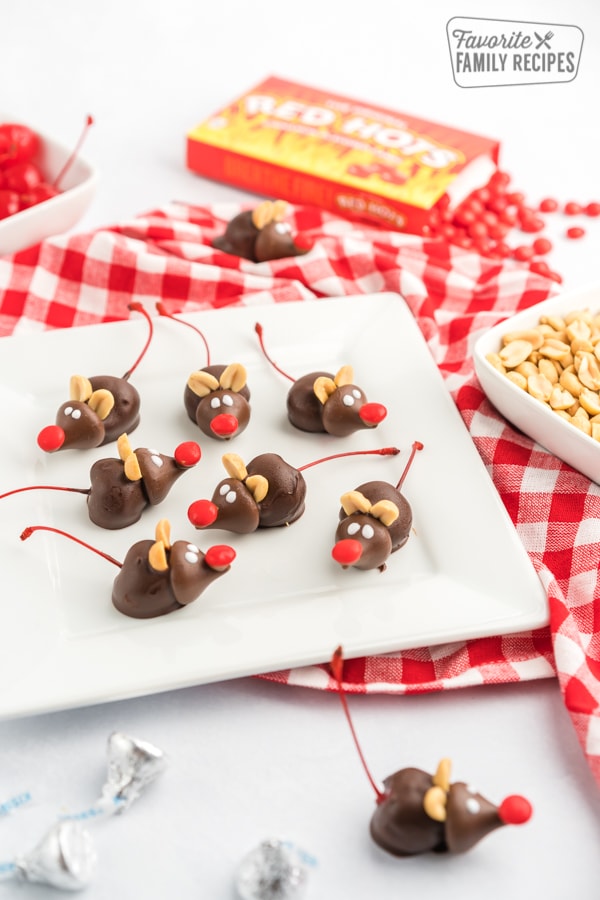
(88, 123)
(45, 487)
(259, 330)
(163, 312)
(382, 451)
(415, 447)
(337, 664)
(137, 307)
(31, 528)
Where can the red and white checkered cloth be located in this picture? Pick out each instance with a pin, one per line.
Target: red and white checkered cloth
(454, 295)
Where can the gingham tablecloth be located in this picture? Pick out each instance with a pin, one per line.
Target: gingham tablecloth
(454, 295)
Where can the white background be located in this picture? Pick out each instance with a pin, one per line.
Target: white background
(250, 759)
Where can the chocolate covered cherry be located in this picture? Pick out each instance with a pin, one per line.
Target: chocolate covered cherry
(260, 234)
(267, 493)
(121, 489)
(418, 812)
(375, 521)
(216, 398)
(99, 409)
(323, 402)
(158, 576)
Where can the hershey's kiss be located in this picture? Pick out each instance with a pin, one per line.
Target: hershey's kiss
(65, 858)
(132, 765)
(272, 871)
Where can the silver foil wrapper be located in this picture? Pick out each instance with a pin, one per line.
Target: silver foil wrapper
(64, 858)
(132, 766)
(272, 871)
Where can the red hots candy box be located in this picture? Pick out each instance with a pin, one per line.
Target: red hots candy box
(309, 146)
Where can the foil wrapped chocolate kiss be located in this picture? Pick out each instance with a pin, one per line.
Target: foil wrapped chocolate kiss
(132, 766)
(64, 858)
(274, 870)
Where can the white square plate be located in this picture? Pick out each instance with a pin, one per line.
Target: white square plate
(531, 416)
(462, 574)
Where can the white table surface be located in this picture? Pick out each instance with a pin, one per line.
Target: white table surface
(250, 759)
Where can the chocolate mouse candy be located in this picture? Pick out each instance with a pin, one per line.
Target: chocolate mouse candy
(260, 234)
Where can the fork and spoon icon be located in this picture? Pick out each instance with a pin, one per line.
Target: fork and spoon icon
(543, 41)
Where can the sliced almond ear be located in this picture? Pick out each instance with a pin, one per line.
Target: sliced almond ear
(234, 466)
(162, 532)
(258, 486)
(123, 447)
(233, 378)
(344, 376)
(102, 402)
(442, 774)
(434, 803)
(280, 209)
(80, 388)
(263, 214)
(202, 383)
(131, 468)
(386, 511)
(323, 388)
(157, 557)
(354, 501)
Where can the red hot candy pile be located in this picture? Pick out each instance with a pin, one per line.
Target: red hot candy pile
(484, 219)
(22, 183)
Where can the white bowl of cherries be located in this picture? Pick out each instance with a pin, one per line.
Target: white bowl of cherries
(44, 187)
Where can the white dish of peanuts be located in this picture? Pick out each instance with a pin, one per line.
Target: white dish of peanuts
(541, 370)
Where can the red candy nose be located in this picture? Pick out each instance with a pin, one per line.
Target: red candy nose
(515, 810)
(202, 513)
(224, 425)
(187, 454)
(347, 552)
(51, 438)
(219, 557)
(372, 413)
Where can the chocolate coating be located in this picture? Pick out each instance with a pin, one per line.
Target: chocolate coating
(239, 237)
(82, 426)
(377, 540)
(242, 238)
(203, 410)
(275, 241)
(399, 530)
(142, 593)
(401, 826)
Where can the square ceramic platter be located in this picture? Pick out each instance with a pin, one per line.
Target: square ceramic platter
(285, 602)
(60, 213)
(531, 416)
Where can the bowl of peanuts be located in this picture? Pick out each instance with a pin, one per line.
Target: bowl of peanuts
(541, 370)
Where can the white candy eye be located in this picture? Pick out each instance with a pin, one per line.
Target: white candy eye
(191, 548)
(68, 410)
(76, 414)
(224, 489)
(472, 805)
(356, 393)
(348, 400)
(231, 497)
(215, 402)
(353, 527)
(227, 400)
(191, 557)
(368, 532)
(282, 228)
(156, 460)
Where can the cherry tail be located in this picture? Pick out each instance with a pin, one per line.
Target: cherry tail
(163, 312)
(382, 451)
(415, 448)
(27, 532)
(337, 668)
(44, 487)
(259, 330)
(72, 157)
(137, 307)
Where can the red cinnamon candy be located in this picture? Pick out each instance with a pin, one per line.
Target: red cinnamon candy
(99, 408)
(322, 402)
(417, 812)
(158, 576)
